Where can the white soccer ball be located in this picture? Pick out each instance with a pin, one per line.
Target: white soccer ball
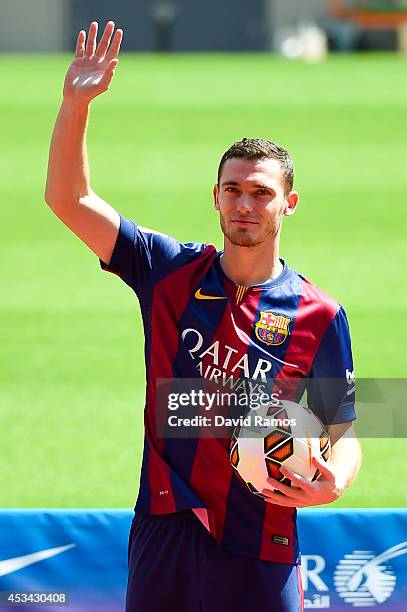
(285, 434)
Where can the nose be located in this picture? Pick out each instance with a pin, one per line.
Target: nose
(244, 205)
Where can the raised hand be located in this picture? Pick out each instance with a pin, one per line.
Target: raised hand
(93, 66)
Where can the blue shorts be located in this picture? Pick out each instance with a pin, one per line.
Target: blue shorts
(175, 565)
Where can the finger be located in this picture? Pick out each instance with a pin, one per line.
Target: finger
(114, 48)
(109, 72)
(297, 481)
(80, 44)
(279, 486)
(322, 468)
(91, 42)
(278, 499)
(105, 40)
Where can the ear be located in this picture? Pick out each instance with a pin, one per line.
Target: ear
(291, 203)
(216, 196)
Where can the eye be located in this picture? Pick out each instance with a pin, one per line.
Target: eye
(231, 189)
(262, 192)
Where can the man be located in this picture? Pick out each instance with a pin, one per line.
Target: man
(200, 540)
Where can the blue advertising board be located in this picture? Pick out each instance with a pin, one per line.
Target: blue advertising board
(354, 559)
(77, 559)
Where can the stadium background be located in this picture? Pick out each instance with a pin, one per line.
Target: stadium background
(72, 378)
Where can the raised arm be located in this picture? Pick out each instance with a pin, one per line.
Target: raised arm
(68, 191)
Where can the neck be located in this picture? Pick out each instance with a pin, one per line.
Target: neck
(249, 266)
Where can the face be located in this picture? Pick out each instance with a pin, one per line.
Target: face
(251, 201)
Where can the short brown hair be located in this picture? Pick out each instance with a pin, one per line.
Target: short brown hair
(256, 148)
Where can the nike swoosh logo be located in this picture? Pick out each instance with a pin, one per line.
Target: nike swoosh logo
(7, 566)
(201, 296)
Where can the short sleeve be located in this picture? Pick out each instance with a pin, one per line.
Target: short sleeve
(331, 385)
(141, 257)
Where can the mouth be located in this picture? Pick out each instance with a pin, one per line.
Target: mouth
(244, 222)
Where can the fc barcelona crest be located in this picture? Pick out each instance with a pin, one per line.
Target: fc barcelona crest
(272, 328)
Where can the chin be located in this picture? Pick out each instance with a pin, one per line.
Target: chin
(243, 239)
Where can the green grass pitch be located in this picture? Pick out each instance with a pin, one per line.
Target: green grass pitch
(72, 378)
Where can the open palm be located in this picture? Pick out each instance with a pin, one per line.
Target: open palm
(92, 69)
